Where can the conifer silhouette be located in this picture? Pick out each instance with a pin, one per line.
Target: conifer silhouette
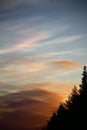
(72, 114)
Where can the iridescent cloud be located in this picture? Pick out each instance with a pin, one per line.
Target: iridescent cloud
(29, 44)
(68, 64)
(43, 47)
(29, 71)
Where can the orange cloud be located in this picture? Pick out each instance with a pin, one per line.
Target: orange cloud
(55, 88)
(27, 71)
(68, 64)
(32, 105)
(27, 109)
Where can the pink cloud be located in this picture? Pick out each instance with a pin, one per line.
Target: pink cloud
(28, 44)
(68, 64)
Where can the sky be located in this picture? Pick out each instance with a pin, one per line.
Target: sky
(42, 52)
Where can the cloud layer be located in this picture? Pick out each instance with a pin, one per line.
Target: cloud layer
(43, 47)
(27, 71)
(25, 109)
(68, 64)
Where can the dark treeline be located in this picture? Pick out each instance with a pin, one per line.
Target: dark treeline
(72, 114)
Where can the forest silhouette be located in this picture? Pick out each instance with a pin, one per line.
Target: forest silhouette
(71, 114)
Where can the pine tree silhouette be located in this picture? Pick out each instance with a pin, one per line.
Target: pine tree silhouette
(72, 114)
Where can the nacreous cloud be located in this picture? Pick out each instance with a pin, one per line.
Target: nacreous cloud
(68, 64)
(28, 44)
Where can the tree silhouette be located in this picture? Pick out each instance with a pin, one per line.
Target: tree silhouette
(73, 113)
(83, 86)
